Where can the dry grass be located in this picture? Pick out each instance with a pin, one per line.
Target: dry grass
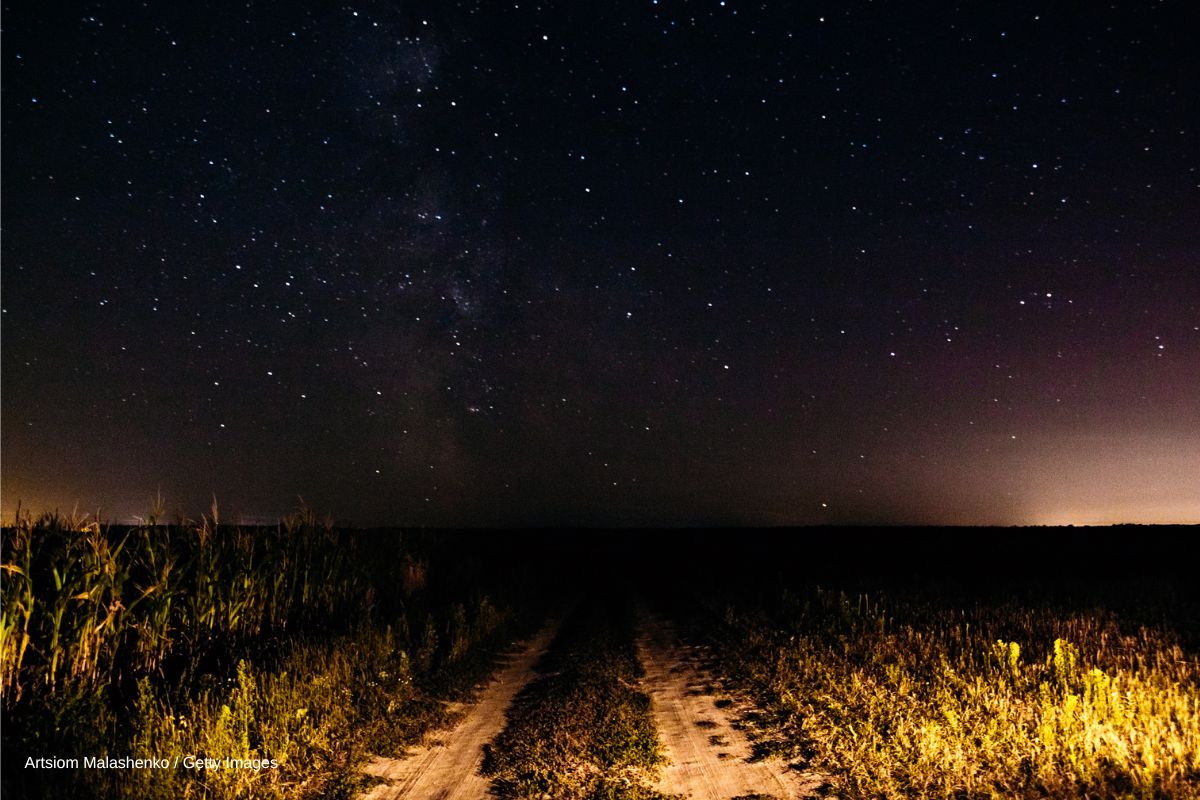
(921, 699)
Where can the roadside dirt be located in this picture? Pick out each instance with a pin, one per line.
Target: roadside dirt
(709, 757)
(447, 767)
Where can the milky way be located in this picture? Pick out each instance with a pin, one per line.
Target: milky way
(603, 263)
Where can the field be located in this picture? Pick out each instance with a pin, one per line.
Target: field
(885, 664)
(1080, 678)
(911, 698)
(300, 644)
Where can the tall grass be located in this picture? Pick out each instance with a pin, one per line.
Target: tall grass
(100, 602)
(910, 697)
(299, 643)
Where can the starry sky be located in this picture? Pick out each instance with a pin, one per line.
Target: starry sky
(628, 263)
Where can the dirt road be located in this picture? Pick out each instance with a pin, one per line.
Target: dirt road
(709, 758)
(448, 767)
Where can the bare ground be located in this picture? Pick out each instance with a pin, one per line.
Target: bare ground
(447, 767)
(710, 758)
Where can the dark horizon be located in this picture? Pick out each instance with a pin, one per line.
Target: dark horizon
(634, 264)
(563, 522)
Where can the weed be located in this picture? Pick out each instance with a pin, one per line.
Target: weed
(908, 697)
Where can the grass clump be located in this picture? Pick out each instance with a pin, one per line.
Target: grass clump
(916, 698)
(583, 730)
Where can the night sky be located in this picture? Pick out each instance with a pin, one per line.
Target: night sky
(602, 263)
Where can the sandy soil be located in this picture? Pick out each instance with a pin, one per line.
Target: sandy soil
(709, 757)
(447, 768)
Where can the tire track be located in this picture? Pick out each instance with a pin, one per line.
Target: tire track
(709, 756)
(448, 768)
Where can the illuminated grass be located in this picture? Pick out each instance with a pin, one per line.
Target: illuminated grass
(918, 700)
(583, 731)
(301, 644)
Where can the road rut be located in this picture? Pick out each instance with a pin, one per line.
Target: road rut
(448, 768)
(709, 757)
